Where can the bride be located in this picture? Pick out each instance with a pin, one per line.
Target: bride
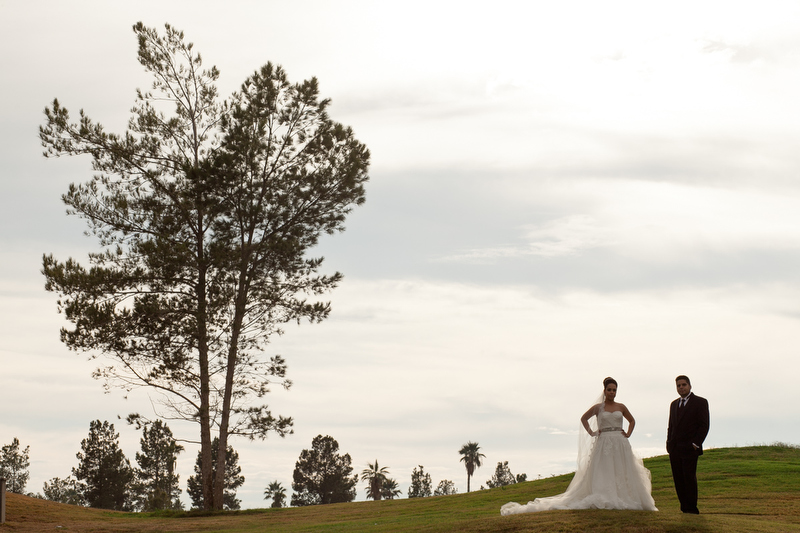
(609, 475)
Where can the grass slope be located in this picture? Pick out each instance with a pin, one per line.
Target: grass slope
(754, 490)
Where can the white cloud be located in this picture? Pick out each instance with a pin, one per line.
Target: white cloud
(563, 236)
(654, 222)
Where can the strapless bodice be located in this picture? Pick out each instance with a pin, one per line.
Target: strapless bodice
(607, 420)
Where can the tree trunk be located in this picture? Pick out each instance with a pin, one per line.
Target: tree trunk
(240, 309)
(236, 328)
(206, 466)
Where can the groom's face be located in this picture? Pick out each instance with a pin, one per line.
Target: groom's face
(683, 388)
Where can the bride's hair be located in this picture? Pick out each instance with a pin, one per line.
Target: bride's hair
(609, 380)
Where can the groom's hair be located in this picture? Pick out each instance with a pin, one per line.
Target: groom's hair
(682, 377)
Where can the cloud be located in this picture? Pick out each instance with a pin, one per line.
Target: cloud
(738, 53)
(672, 230)
(758, 47)
(564, 236)
(556, 431)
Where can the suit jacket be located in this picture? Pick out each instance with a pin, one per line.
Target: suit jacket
(688, 425)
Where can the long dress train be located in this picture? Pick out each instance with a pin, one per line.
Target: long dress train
(612, 478)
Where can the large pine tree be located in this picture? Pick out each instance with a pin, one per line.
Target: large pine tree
(205, 211)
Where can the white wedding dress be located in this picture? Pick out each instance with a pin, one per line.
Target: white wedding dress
(612, 477)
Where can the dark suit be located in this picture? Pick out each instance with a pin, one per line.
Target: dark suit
(688, 426)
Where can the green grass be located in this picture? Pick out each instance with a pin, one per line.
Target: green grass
(754, 490)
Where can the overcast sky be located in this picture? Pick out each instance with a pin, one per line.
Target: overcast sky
(559, 192)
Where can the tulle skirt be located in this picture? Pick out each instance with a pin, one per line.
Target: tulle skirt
(614, 478)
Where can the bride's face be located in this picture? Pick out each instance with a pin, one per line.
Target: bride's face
(611, 392)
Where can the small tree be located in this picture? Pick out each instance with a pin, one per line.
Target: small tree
(276, 493)
(68, 491)
(445, 488)
(232, 478)
(323, 476)
(158, 484)
(503, 476)
(390, 490)
(421, 485)
(470, 454)
(375, 477)
(14, 465)
(106, 473)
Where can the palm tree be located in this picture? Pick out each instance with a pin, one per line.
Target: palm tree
(472, 458)
(375, 477)
(276, 492)
(390, 489)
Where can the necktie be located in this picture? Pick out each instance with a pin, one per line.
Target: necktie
(683, 402)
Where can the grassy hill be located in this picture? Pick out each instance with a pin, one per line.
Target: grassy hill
(754, 490)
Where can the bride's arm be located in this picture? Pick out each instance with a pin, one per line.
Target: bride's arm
(585, 420)
(631, 422)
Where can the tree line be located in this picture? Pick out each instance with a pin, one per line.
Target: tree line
(105, 478)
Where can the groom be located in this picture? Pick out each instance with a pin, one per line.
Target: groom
(688, 427)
